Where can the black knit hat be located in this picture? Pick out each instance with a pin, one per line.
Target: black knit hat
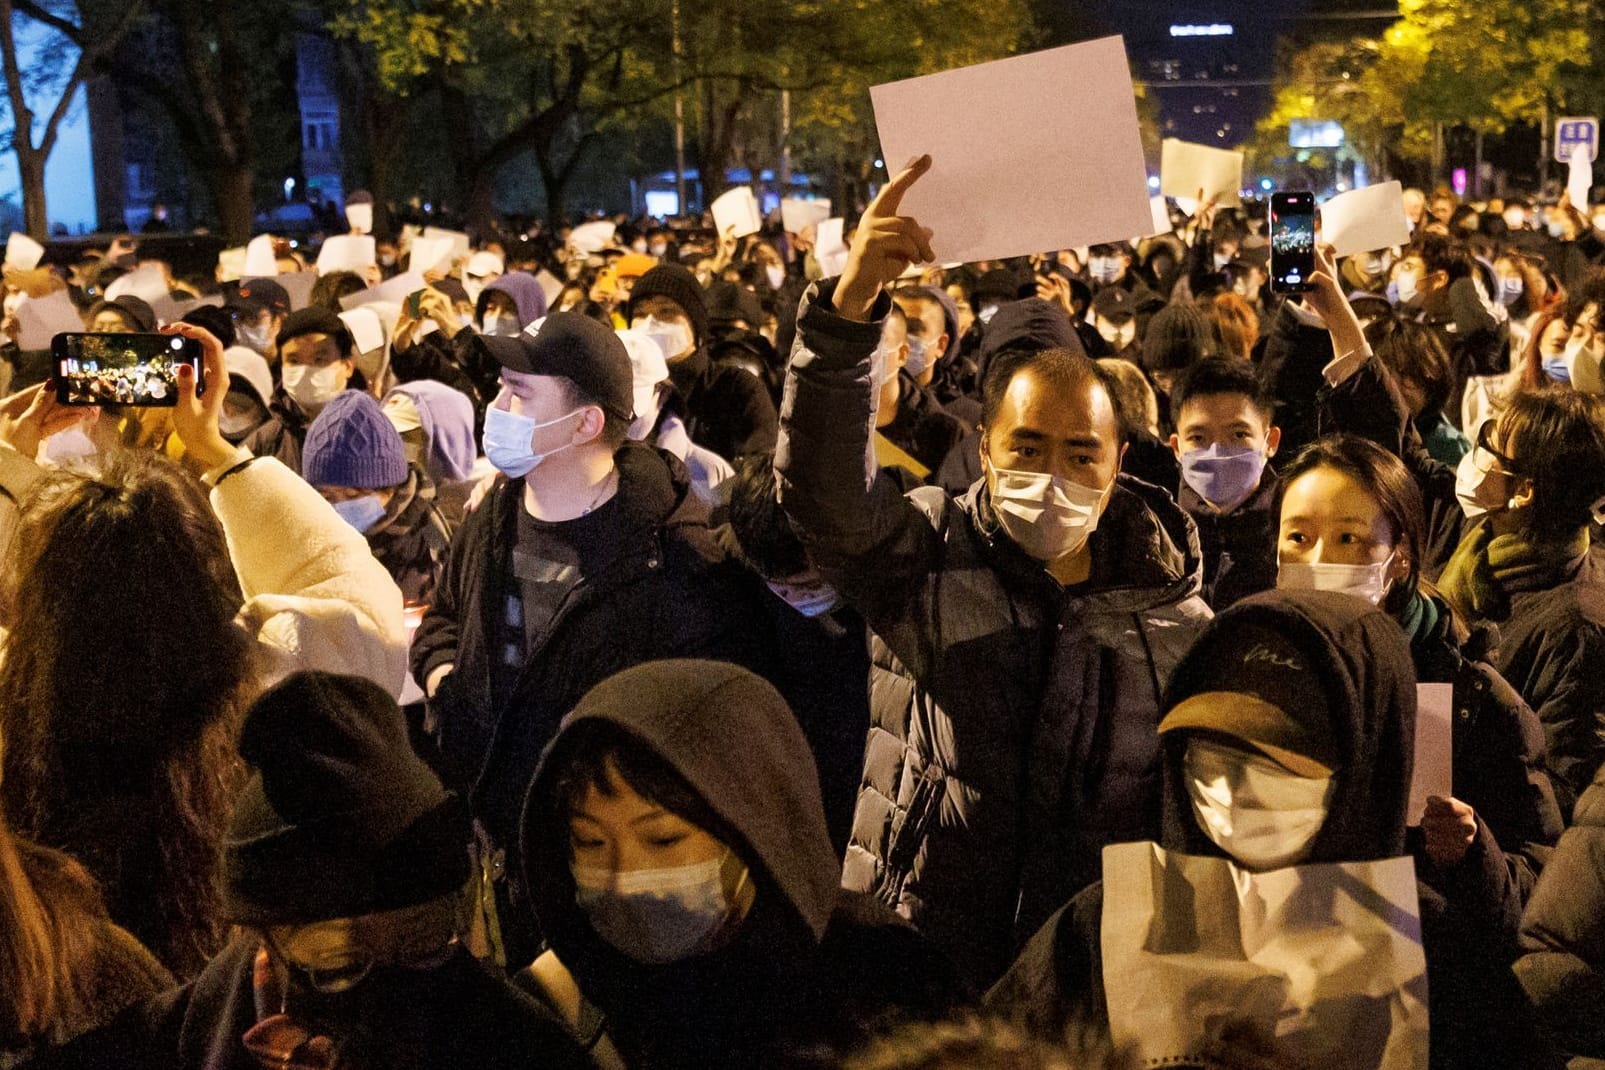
(576, 347)
(340, 817)
(1177, 337)
(135, 311)
(316, 321)
(678, 285)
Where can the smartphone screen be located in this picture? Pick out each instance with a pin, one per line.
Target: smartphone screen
(122, 369)
(1292, 241)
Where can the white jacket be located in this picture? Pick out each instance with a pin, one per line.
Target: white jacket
(315, 597)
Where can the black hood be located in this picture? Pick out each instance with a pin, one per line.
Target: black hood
(733, 739)
(1363, 659)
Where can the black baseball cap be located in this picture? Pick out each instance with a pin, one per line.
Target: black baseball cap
(576, 347)
(255, 295)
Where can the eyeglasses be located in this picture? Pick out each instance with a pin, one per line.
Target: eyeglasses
(1483, 444)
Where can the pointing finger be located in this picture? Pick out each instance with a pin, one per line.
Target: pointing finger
(891, 196)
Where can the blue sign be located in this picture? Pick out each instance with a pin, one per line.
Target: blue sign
(1570, 133)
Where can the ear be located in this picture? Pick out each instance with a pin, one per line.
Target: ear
(902, 355)
(1273, 440)
(941, 346)
(1523, 496)
(589, 429)
(1175, 446)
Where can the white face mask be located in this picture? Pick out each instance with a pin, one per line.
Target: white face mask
(657, 249)
(1477, 481)
(777, 276)
(673, 338)
(312, 388)
(1047, 515)
(1369, 582)
(361, 513)
(648, 404)
(1408, 284)
(255, 337)
(473, 288)
(811, 602)
(1260, 814)
(502, 326)
(659, 915)
(1104, 269)
(1117, 335)
(509, 441)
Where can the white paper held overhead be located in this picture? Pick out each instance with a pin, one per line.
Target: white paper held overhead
(460, 245)
(40, 319)
(829, 249)
(1580, 178)
(394, 290)
(23, 252)
(259, 259)
(1030, 153)
(367, 333)
(1364, 220)
(346, 252)
(592, 237)
(360, 216)
(735, 212)
(797, 215)
(427, 254)
(1186, 168)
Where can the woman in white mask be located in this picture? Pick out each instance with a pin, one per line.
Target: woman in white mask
(1352, 521)
(317, 361)
(676, 853)
(1286, 742)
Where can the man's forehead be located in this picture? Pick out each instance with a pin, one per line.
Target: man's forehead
(1058, 405)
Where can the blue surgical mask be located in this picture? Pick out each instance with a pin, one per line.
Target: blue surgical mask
(502, 326)
(811, 602)
(659, 915)
(1558, 369)
(1393, 294)
(1510, 290)
(1223, 475)
(361, 513)
(918, 350)
(509, 442)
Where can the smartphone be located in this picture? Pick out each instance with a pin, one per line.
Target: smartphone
(123, 369)
(415, 305)
(1292, 242)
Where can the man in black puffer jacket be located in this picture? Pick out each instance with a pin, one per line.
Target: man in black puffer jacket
(1022, 632)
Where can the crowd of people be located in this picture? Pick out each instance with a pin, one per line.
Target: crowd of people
(637, 647)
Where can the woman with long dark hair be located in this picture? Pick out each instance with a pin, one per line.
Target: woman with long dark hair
(140, 621)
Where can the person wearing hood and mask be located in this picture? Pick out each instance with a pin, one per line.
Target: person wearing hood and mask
(1224, 439)
(726, 410)
(250, 380)
(1352, 520)
(1005, 653)
(592, 555)
(1289, 741)
(343, 867)
(936, 360)
(482, 269)
(318, 362)
(907, 417)
(676, 853)
(436, 424)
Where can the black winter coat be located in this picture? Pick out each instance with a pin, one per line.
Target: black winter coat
(1239, 547)
(412, 539)
(1563, 934)
(1014, 723)
(728, 410)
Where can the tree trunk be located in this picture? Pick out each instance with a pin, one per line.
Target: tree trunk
(31, 167)
(233, 195)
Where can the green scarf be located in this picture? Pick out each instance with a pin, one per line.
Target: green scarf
(1486, 568)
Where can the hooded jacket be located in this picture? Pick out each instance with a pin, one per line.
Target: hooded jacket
(1477, 1015)
(728, 409)
(809, 965)
(1013, 722)
(412, 539)
(670, 591)
(525, 290)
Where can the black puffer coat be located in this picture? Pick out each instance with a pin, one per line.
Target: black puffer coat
(1013, 723)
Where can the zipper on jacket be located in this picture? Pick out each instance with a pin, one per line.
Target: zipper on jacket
(908, 835)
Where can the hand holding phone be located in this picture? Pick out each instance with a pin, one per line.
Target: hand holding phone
(122, 369)
(1292, 242)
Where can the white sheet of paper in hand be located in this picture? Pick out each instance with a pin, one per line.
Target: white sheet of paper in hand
(796, 215)
(394, 290)
(592, 237)
(1029, 153)
(1434, 760)
(297, 286)
(145, 282)
(1323, 962)
(829, 249)
(1161, 212)
(23, 252)
(1186, 168)
(736, 211)
(1364, 220)
(260, 263)
(367, 334)
(40, 319)
(428, 253)
(460, 245)
(360, 216)
(1580, 178)
(231, 264)
(346, 252)
(551, 286)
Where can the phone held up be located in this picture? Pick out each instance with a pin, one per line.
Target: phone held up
(123, 369)
(1292, 242)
